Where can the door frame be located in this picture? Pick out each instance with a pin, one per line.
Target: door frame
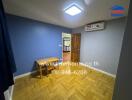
(62, 43)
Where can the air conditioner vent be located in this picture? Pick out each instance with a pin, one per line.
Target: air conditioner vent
(95, 26)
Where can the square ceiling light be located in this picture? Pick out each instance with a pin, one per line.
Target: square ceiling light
(73, 10)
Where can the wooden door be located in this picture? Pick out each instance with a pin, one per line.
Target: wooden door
(75, 47)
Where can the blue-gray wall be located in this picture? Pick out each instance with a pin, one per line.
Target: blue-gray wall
(32, 40)
(101, 49)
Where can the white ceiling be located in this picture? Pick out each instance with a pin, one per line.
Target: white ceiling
(52, 11)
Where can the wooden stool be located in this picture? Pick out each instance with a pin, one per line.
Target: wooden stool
(45, 64)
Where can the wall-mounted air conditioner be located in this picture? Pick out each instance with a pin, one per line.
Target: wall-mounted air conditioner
(95, 26)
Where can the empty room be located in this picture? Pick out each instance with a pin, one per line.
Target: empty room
(62, 49)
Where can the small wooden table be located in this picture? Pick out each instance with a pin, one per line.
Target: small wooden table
(45, 63)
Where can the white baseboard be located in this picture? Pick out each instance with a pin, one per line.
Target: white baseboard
(8, 93)
(109, 74)
(23, 75)
(11, 92)
(29, 73)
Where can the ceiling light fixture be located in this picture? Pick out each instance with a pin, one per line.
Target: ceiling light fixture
(73, 9)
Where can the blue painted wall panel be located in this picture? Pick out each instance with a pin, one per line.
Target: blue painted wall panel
(32, 40)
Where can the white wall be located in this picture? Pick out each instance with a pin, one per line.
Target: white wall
(101, 49)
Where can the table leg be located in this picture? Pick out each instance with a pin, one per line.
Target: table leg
(40, 71)
(58, 64)
(46, 66)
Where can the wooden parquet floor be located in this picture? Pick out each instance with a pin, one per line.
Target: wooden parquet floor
(91, 85)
